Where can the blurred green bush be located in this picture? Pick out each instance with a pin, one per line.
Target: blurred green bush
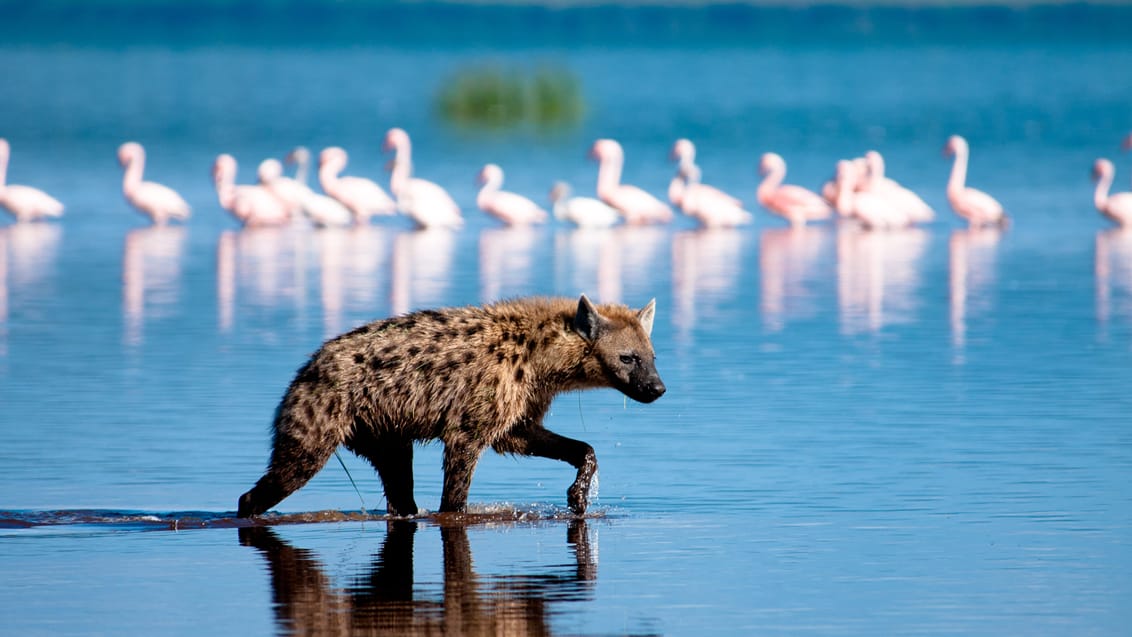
(496, 98)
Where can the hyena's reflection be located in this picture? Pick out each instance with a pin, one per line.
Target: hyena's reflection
(382, 600)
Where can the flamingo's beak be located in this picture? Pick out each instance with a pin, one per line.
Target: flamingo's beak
(389, 165)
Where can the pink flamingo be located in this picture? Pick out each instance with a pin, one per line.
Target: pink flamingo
(424, 201)
(160, 203)
(872, 210)
(976, 206)
(636, 205)
(1117, 207)
(24, 202)
(584, 212)
(711, 206)
(322, 211)
(793, 203)
(508, 207)
(362, 196)
(251, 205)
(917, 208)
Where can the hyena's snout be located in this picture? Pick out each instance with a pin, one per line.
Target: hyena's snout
(648, 386)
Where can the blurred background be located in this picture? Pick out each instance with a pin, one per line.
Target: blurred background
(908, 431)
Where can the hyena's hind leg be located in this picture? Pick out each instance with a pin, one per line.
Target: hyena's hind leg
(392, 456)
(294, 461)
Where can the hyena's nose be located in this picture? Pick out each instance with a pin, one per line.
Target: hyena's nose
(657, 388)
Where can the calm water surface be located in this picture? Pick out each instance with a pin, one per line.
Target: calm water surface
(924, 431)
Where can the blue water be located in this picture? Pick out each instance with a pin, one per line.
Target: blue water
(890, 433)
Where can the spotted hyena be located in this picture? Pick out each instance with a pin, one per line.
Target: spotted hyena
(472, 377)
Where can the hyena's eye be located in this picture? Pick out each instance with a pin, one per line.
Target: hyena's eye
(628, 359)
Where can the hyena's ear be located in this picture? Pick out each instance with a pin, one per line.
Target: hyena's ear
(645, 316)
(587, 322)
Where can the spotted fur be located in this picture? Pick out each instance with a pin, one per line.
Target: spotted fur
(471, 377)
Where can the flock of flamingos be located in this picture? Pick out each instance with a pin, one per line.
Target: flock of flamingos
(859, 191)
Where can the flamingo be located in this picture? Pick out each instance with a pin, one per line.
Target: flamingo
(508, 207)
(1117, 207)
(322, 211)
(427, 203)
(585, 212)
(362, 196)
(793, 203)
(976, 206)
(636, 205)
(24, 202)
(874, 211)
(710, 206)
(251, 205)
(917, 208)
(290, 191)
(159, 202)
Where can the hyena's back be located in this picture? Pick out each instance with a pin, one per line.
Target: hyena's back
(467, 376)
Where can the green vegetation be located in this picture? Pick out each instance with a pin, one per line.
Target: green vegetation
(494, 98)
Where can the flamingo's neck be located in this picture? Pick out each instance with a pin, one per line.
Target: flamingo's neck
(226, 188)
(676, 189)
(490, 187)
(132, 177)
(1100, 195)
(400, 175)
(301, 168)
(609, 173)
(328, 175)
(770, 183)
(958, 179)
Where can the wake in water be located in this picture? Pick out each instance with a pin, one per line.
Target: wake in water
(182, 520)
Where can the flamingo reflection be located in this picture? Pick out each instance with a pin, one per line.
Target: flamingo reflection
(589, 258)
(705, 272)
(507, 261)
(787, 261)
(27, 252)
(877, 276)
(352, 262)
(386, 599)
(151, 275)
(971, 271)
(1113, 269)
(422, 259)
(264, 261)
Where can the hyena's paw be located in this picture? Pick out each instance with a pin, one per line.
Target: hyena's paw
(578, 497)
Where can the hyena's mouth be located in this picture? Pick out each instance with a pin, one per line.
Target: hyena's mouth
(647, 392)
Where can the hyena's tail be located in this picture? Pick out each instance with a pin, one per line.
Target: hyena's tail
(294, 461)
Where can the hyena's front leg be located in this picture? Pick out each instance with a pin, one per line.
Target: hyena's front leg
(536, 440)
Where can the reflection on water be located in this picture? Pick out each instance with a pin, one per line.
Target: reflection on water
(971, 271)
(877, 277)
(422, 260)
(788, 260)
(267, 263)
(705, 272)
(386, 599)
(27, 252)
(643, 252)
(507, 261)
(151, 276)
(1113, 270)
(352, 264)
(589, 259)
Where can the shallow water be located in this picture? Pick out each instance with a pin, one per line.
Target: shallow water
(909, 432)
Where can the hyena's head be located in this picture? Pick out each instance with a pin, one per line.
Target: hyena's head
(622, 347)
